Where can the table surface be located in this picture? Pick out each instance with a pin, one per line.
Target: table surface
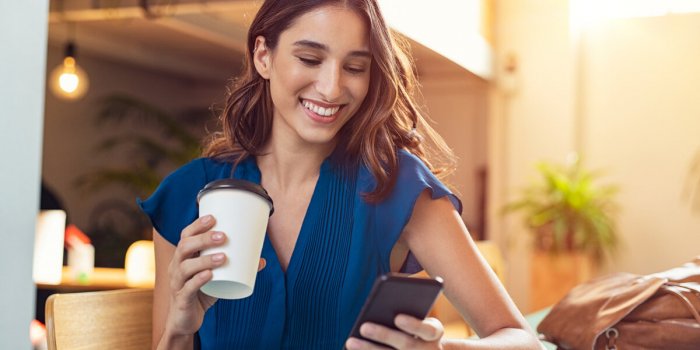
(102, 278)
(534, 319)
(106, 278)
(461, 330)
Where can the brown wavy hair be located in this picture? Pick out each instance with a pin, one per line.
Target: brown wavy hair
(383, 124)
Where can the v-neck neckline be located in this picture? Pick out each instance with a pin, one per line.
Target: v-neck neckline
(310, 216)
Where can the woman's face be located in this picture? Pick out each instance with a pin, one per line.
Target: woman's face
(318, 73)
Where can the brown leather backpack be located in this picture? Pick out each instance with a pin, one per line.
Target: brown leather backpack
(626, 311)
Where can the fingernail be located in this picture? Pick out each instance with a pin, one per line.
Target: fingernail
(367, 330)
(401, 321)
(217, 236)
(352, 343)
(218, 257)
(206, 219)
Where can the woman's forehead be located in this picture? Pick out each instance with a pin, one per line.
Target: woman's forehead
(333, 27)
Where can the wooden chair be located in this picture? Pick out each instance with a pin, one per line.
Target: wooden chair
(115, 319)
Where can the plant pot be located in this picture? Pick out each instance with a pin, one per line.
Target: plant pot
(553, 275)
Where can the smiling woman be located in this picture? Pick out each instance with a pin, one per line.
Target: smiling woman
(324, 118)
(326, 71)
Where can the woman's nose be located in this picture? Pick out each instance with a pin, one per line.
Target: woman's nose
(329, 83)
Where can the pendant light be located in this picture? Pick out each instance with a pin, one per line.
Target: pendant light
(69, 81)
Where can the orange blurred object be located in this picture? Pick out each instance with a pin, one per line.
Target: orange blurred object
(74, 236)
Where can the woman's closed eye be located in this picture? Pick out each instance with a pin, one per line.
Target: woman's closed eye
(314, 62)
(311, 62)
(356, 69)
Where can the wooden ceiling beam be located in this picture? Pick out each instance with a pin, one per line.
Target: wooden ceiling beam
(90, 10)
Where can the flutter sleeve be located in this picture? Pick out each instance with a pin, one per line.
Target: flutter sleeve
(394, 212)
(173, 205)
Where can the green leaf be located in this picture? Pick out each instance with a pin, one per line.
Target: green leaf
(571, 208)
(150, 155)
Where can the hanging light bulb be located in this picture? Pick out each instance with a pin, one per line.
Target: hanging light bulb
(68, 80)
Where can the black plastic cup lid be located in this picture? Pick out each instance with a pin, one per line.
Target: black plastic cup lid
(237, 185)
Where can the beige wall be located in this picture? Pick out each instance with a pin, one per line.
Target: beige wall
(634, 105)
(642, 125)
(532, 115)
(458, 105)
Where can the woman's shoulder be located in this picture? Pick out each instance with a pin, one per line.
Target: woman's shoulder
(410, 162)
(412, 171)
(173, 205)
(413, 177)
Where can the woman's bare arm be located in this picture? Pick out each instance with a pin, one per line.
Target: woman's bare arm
(440, 241)
(437, 236)
(179, 305)
(161, 295)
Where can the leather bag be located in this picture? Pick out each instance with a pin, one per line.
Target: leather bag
(626, 311)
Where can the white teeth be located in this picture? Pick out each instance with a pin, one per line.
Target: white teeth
(326, 112)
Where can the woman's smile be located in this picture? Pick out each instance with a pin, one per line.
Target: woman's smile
(321, 112)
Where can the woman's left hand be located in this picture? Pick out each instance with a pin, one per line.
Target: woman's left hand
(415, 334)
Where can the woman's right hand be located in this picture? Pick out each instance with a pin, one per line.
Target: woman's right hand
(189, 271)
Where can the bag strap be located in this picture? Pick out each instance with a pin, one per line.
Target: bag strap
(671, 287)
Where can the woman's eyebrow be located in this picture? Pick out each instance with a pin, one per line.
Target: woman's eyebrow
(323, 47)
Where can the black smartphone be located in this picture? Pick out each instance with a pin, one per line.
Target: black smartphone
(394, 294)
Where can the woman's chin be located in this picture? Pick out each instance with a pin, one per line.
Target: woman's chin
(319, 139)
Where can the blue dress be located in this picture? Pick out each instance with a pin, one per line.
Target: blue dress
(344, 244)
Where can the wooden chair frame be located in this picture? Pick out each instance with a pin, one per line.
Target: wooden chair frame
(115, 319)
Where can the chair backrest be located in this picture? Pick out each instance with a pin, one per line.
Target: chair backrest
(115, 319)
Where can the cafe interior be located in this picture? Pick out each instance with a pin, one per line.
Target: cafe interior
(576, 124)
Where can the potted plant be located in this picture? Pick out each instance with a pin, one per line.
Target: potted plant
(156, 142)
(152, 154)
(571, 219)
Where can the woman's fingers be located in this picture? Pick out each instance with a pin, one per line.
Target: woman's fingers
(188, 293)
(191, 241)
(413, 333)
(186, 260)
(429, 329)
(190, 267)
(394, 338)
(200, 225)
(187, 263)
(360, 344)
(191, 246)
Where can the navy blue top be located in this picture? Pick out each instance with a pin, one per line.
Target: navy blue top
(344, 244)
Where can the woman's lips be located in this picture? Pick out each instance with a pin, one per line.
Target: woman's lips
(321, 113)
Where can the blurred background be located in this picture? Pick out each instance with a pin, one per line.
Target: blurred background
(576, 123)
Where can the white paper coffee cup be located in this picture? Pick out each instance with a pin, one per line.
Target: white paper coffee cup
(241, 209)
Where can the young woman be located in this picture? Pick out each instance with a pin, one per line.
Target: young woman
(324, 119)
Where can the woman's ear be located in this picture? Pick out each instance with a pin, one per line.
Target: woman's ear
(261, 57)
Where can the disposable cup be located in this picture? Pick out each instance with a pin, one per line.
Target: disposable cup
(241, 209)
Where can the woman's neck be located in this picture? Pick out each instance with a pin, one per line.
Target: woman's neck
(286, 167)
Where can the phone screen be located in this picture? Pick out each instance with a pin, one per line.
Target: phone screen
(394, 294)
